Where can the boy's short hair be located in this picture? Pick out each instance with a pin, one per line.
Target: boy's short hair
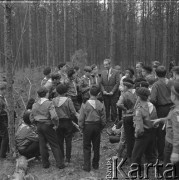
(42, 92)
(139, 79)
(76, 68)
(143, 93)
(94, 90)
(176, 69)
(107, 60)
(155, 64)
(61, 89)
(161, 71)
(131, 71)
(93, 66)
(141, 84)
(128, 82)
(141, 64)
(55, 76)
(70, 72)
(148, 69)
(151, 79)
(3, 85)
(30, 103)
(47, 71)
(87, 69)
(61, 65)
(26, 117)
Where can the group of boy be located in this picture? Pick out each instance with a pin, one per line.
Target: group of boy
(143, 99)
(149, 96)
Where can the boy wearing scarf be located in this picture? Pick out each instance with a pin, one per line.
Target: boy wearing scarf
(92, 120)
(45, 116)
(144, 130)
(126, 103)
(66, 113)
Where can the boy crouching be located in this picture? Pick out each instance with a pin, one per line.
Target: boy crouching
(44, 114)
(66, 112)
(92, 120)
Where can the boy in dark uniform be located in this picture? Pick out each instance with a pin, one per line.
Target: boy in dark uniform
(3, 121)
(160, 98)
(92, 120)
(66, 113)
(44, 114)
(86, 83)
(144, 131)
(126, 103)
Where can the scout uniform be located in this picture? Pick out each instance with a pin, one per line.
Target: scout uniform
(66, 112)
(126, 102)
(144, 131)
(160, 97)
(44, 114)
(73, 93)
(27, 140)
(92, 120)
(171, 150)
(84, 87)
(3, 125)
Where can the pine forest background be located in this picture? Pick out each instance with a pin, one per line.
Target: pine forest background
(127, 31)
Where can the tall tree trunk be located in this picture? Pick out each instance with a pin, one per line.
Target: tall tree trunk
(65, 31)
(9, 69)
(48, 36)
(30, 36)
(112, 35)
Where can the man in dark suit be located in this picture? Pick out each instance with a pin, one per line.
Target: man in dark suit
(109, 87)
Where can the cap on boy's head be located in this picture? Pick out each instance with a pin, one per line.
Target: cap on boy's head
(26, 117)
(47, 71)
(175, 88)
(87, 69)
(176, 69)
(130, 70)
(55, 76)
(148, 69)
(3, 85)
(161, 71)
(61, 89)
(151, 79)
(61, 65)
(42, 92)
(128, 82)
(143, 93)
(94, 90)
(70, 72)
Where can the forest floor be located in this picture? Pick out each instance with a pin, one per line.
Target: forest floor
(74, 170)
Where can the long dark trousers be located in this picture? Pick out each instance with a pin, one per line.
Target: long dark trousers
(129, 134)
(31, 151)
(110, 104)
(143, 145)
(48, 135)
(91, 134)
(167, 155)
(4, 144)
(64, 133)
(162, 111)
